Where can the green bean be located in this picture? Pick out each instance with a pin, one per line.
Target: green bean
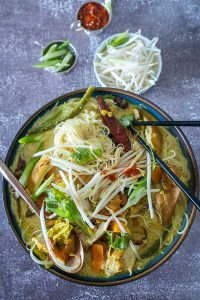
(61, 113)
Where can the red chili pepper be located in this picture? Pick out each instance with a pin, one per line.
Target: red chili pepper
(116, 129)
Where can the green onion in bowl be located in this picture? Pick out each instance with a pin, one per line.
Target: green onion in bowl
(58, 57)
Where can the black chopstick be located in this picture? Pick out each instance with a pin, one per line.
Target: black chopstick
(169, 172)
(166, 123)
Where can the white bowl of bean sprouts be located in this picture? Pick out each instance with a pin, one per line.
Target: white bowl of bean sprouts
(128, 61)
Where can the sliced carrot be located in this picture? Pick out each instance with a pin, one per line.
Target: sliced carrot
(97, 257)
(156, 175)
(114, 226)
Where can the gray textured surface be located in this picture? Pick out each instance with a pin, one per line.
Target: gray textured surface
(23, 90)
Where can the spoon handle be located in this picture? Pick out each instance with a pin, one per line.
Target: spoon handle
(7, 174)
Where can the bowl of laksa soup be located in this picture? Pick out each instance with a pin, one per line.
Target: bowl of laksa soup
(91, 178)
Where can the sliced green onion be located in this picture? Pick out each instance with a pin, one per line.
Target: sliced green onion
(29, 167)
(64, 63)
(63, 45)
(47, 64)
(120, 40)
(52, 48)
(43, 188)
(67, 58)
(59, 67)
(28, 139)
(57, 57)
(54, 54)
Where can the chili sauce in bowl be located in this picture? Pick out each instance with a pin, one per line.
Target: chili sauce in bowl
(93, 17)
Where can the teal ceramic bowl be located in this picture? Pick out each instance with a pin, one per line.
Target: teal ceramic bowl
(194, 186)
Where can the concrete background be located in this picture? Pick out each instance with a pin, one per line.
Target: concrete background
(23, 90)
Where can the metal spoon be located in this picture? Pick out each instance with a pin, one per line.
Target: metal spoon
(7, 174)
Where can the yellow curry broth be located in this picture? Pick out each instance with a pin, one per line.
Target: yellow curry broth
(153, 228)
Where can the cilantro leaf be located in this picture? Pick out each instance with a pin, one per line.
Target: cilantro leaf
(84, 155)
(126, 120)
(118, 240)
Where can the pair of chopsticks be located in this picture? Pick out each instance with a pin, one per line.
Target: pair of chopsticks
(163, 165)
(166, 123)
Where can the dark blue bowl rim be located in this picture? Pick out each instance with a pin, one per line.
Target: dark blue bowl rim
(157, 111)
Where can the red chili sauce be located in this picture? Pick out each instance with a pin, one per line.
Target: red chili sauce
(93, 16)
(112, 177)
(131, 172)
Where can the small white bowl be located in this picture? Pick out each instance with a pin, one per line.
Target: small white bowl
(106, 42)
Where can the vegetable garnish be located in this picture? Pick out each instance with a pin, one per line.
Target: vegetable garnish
(126, 121)
(123, 230)
(83, 155)
(128, 61)
(60, 231)
(57, 57)
(61, 113)
(29, 167)
(43, 188)
(28, 139)
(62, 205)
(118, 240)
(120, 40)
(138, 193)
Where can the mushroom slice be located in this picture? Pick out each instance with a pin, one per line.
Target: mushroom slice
(166, 203)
